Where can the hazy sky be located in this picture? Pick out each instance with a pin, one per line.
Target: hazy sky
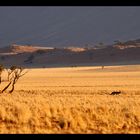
(64, 26)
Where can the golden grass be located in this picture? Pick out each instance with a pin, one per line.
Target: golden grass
(73, 100)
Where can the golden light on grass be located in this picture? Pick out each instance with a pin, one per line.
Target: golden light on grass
(73, 100)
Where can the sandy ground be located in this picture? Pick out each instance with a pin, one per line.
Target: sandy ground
(73, 100)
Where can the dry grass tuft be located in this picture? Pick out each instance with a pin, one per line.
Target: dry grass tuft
(73, 100)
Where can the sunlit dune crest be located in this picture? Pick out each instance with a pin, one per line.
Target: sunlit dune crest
(36, 56)
(76, 49)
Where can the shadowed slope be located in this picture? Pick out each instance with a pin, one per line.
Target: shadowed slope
(35, 56)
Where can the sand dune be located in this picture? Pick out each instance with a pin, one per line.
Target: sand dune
(36, 56)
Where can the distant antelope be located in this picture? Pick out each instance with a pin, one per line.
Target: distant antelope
(115, 93)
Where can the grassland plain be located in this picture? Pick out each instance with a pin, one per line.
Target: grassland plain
(73, 100)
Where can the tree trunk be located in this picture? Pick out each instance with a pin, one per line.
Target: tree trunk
(13, 86)
(6, 87)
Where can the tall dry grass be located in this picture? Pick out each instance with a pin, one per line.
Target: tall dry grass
(73, 100)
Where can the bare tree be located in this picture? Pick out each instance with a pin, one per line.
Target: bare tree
(13, 75)
(17, 74)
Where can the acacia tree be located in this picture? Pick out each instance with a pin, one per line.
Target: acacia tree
(14, 73)
(18, 72)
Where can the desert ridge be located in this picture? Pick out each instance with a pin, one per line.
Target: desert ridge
(37, 56)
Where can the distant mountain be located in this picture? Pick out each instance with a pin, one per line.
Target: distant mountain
(68, 25)
(35, 56)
